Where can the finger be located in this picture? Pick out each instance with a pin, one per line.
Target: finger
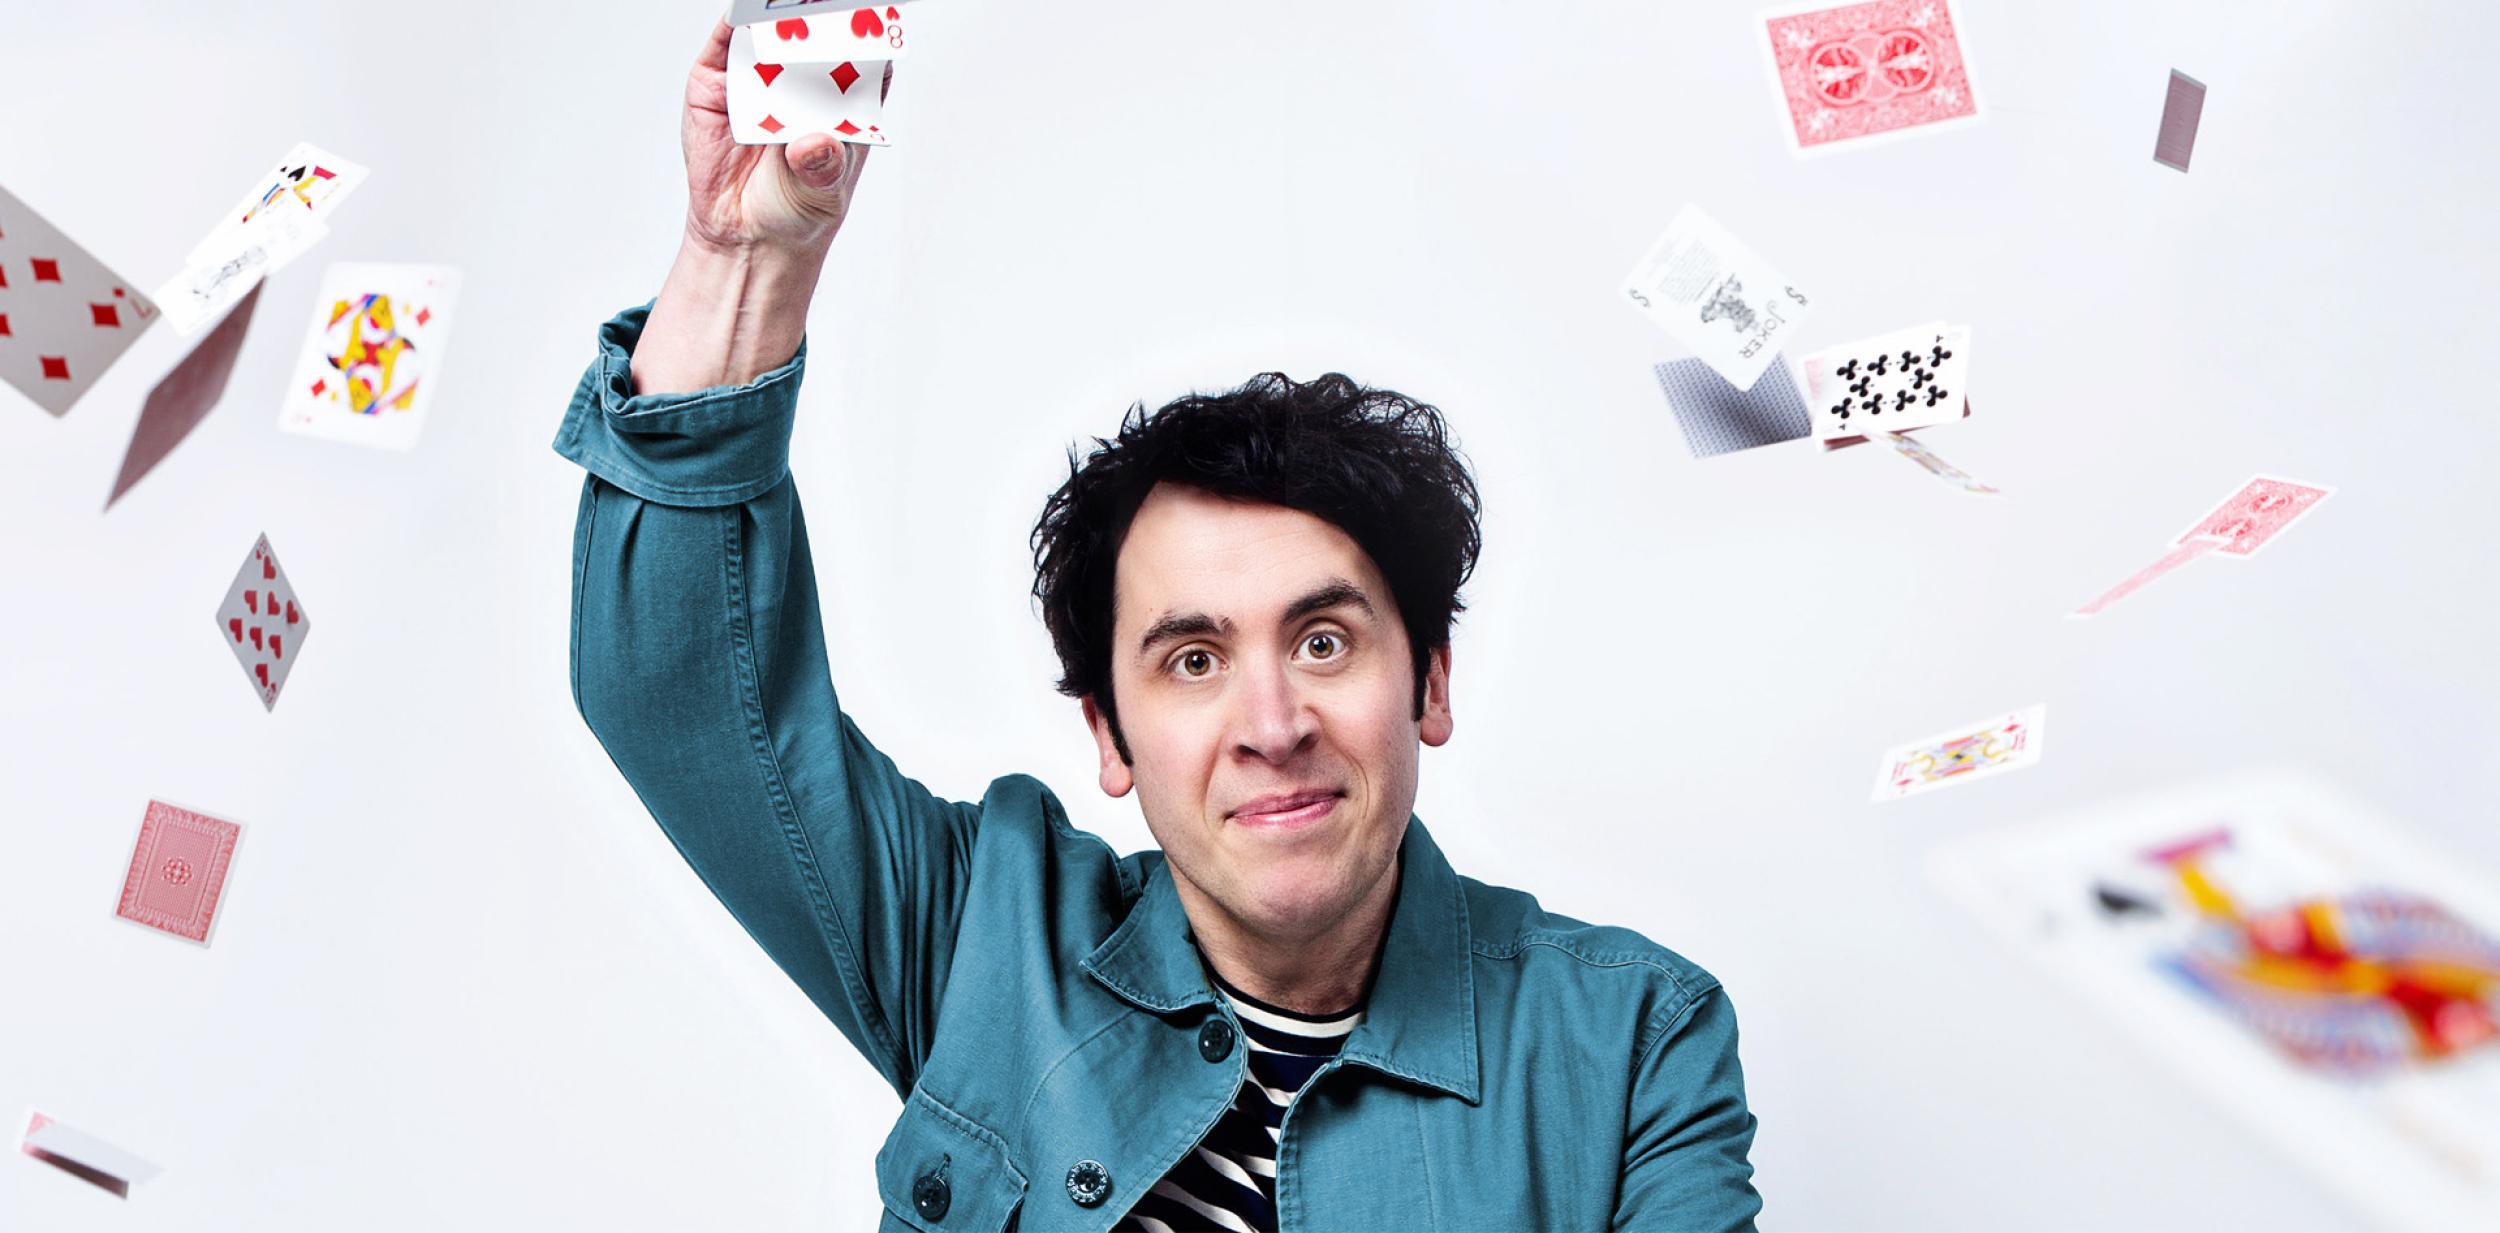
(816, 159)
(716, 49)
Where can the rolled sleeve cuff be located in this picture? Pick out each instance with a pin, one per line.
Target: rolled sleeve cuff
(718, 446)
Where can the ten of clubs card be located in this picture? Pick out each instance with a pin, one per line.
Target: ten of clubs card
(373, 355)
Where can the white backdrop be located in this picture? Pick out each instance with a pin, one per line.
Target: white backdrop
(463, 978)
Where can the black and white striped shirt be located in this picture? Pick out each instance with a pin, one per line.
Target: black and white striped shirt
(1229, 1181)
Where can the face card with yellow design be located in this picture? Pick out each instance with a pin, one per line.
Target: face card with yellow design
(373, 355)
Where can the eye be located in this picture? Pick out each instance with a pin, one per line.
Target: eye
(1323, 646)
(1194, 664)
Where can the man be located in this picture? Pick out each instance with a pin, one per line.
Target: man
(1293, 1016)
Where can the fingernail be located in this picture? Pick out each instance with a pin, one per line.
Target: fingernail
(821, 159)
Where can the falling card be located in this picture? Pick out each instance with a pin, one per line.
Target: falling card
(1715, 296)
(1718, 418)
(64, 317)
(1962, 755)
(1935, 465)
(2181, 109)
(2142, 578)
(82, 1155)
(1889, 383)
(374, 354)
(826, 32)
(2250, 518)
(1855, 73)
(185, 395)
(263, 623)
(2302, 960)
(200, 293)
(178, 871)
(775, 104)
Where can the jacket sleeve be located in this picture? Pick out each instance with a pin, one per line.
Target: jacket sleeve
(699, 662)
(1684, 1160)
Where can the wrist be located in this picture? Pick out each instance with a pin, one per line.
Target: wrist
(727, 314)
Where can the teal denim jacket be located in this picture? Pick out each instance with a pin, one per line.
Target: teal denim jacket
(1036, 998)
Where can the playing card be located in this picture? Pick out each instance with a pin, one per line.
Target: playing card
(178, 871)
(2137, 581)
(1718, 418)
(263, 623)
(1859, 72)
(2254, 515)
(1962, 755)
(285, 210)
(82, 1155)
(825, 32)
(197, 295)
(1889, 383)
(2181, 108)
(183, 398)
(1935, 465)
(64, 317)
(373, 355)
(1715, 296)
(2298, 957)
(775, 104)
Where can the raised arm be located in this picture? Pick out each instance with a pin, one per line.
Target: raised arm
(698, 648)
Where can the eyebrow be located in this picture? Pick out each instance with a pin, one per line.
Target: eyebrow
(1333, 593)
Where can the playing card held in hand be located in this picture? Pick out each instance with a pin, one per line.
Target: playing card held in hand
(263, 624)
(775, 104)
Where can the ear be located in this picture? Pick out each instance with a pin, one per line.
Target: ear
(1434, 728)
(1116, 779)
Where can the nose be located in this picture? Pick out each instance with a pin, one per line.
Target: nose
(1271, 721)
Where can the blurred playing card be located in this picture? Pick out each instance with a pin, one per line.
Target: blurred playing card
(1860, 72)
(64, 317)
(285, 210)
(373, 355)
(2253, 516)
(196, 296)
(1889, 383)
(185, 395)
(262, 622)
(1936, 466)
(2137, 581)
(2181, 109)
(1718, 418)
(1962, 755)
(82, 1155)
(2300, 958)
(1715, 296)
(178, 871)
(815, 33)
(775, 104)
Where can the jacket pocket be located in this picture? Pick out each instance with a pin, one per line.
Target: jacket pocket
(942, 1172)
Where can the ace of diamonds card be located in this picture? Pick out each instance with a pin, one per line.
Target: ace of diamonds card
(373, 355)
(64, 317)
(263, 623)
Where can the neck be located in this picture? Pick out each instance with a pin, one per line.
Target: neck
(1316, 971)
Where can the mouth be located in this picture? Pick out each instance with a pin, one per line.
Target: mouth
(1286, 810)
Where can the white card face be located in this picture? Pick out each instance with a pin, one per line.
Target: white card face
(2298, 958)
(1979, 750)
(1717, 297)
(775, 104)
(1889, 383)
(79, 1147)
(373, 355)
(288, 204)
(200, 295)
(64, 317)
(829, 32)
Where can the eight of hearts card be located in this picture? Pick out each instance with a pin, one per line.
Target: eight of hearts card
(178, 871)
(1889, 383)
(1962, 755)
(373, 355)
(821, 32)
(64, 317)
(263, 623)
(1853, 73)
(1715, 296)
(775, 104)
(2297, 956)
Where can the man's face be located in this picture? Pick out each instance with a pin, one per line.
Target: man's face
(1266, 692)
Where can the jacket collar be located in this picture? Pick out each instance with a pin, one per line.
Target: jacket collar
(1420, 1021)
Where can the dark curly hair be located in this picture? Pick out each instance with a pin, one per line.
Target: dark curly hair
(1377, 464)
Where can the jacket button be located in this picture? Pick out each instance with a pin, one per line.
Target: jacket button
(1215, 1040)
(932, 1196)
(1089, 1183)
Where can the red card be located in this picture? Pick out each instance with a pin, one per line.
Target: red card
(1850, 72)
(178, 871)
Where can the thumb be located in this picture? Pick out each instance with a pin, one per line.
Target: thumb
(816, 160)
